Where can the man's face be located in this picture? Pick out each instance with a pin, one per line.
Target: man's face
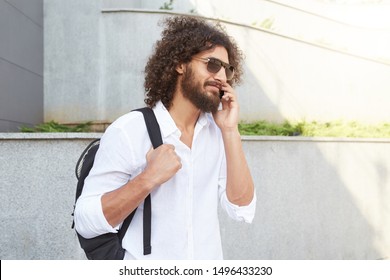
(195, 90)
(202, 87)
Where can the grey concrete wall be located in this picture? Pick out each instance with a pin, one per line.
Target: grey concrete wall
(21, 63)
(96, 51)
(317, 198)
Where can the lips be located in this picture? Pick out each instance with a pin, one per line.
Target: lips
(214, 84)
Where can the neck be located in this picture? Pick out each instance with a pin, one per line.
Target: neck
(185, 116)
(184, 113)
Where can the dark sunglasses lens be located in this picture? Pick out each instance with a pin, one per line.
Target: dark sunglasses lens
(213, 66)
(229, 72)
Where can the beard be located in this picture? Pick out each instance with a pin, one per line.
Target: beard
(195, 92)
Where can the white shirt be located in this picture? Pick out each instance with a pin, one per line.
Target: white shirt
(184, 209)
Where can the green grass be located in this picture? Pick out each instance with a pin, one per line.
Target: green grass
(56, 127)
(308, 129)
(266, 128)
(316, 129)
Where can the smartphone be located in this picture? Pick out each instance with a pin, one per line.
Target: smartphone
(221, 93)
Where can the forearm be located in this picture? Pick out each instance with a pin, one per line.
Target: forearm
(239, 186)
(118, 204)
(162, 164)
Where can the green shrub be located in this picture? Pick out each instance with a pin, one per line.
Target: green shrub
(266, 128)
(316, 129)
(56, 127)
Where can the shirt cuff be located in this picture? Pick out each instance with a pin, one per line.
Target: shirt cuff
(90, 220)
(241, 213)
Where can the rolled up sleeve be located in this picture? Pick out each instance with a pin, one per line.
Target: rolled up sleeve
(239, 213)
(89, 218)
(109, 172)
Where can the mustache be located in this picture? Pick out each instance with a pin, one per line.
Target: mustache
(214, 84)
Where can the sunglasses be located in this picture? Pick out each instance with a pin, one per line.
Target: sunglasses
(214, 65)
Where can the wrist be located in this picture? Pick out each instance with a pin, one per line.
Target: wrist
(146, 181)
(231, 132)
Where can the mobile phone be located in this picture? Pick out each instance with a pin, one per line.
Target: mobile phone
(221, 93)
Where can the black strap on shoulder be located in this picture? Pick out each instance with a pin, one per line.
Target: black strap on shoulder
(156, 139)
(152, 126)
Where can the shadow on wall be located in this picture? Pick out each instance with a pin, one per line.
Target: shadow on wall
(315, 201)
(254, 101)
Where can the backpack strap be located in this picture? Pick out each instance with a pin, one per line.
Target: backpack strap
(156, 139)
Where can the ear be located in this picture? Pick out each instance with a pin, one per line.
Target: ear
(181, 68)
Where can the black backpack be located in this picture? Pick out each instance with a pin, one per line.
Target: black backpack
(109, 246)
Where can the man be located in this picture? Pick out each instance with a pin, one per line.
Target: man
(200, 164)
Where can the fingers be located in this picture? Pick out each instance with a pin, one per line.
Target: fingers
(229, 98)
(168, 151)
(162, 148)
(162, 163)
(229, 93)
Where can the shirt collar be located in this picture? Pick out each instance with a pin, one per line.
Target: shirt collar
(167, 124)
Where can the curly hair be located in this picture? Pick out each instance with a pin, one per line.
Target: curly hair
(184, 37)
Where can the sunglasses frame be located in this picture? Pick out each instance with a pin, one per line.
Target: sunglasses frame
(220, 63)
